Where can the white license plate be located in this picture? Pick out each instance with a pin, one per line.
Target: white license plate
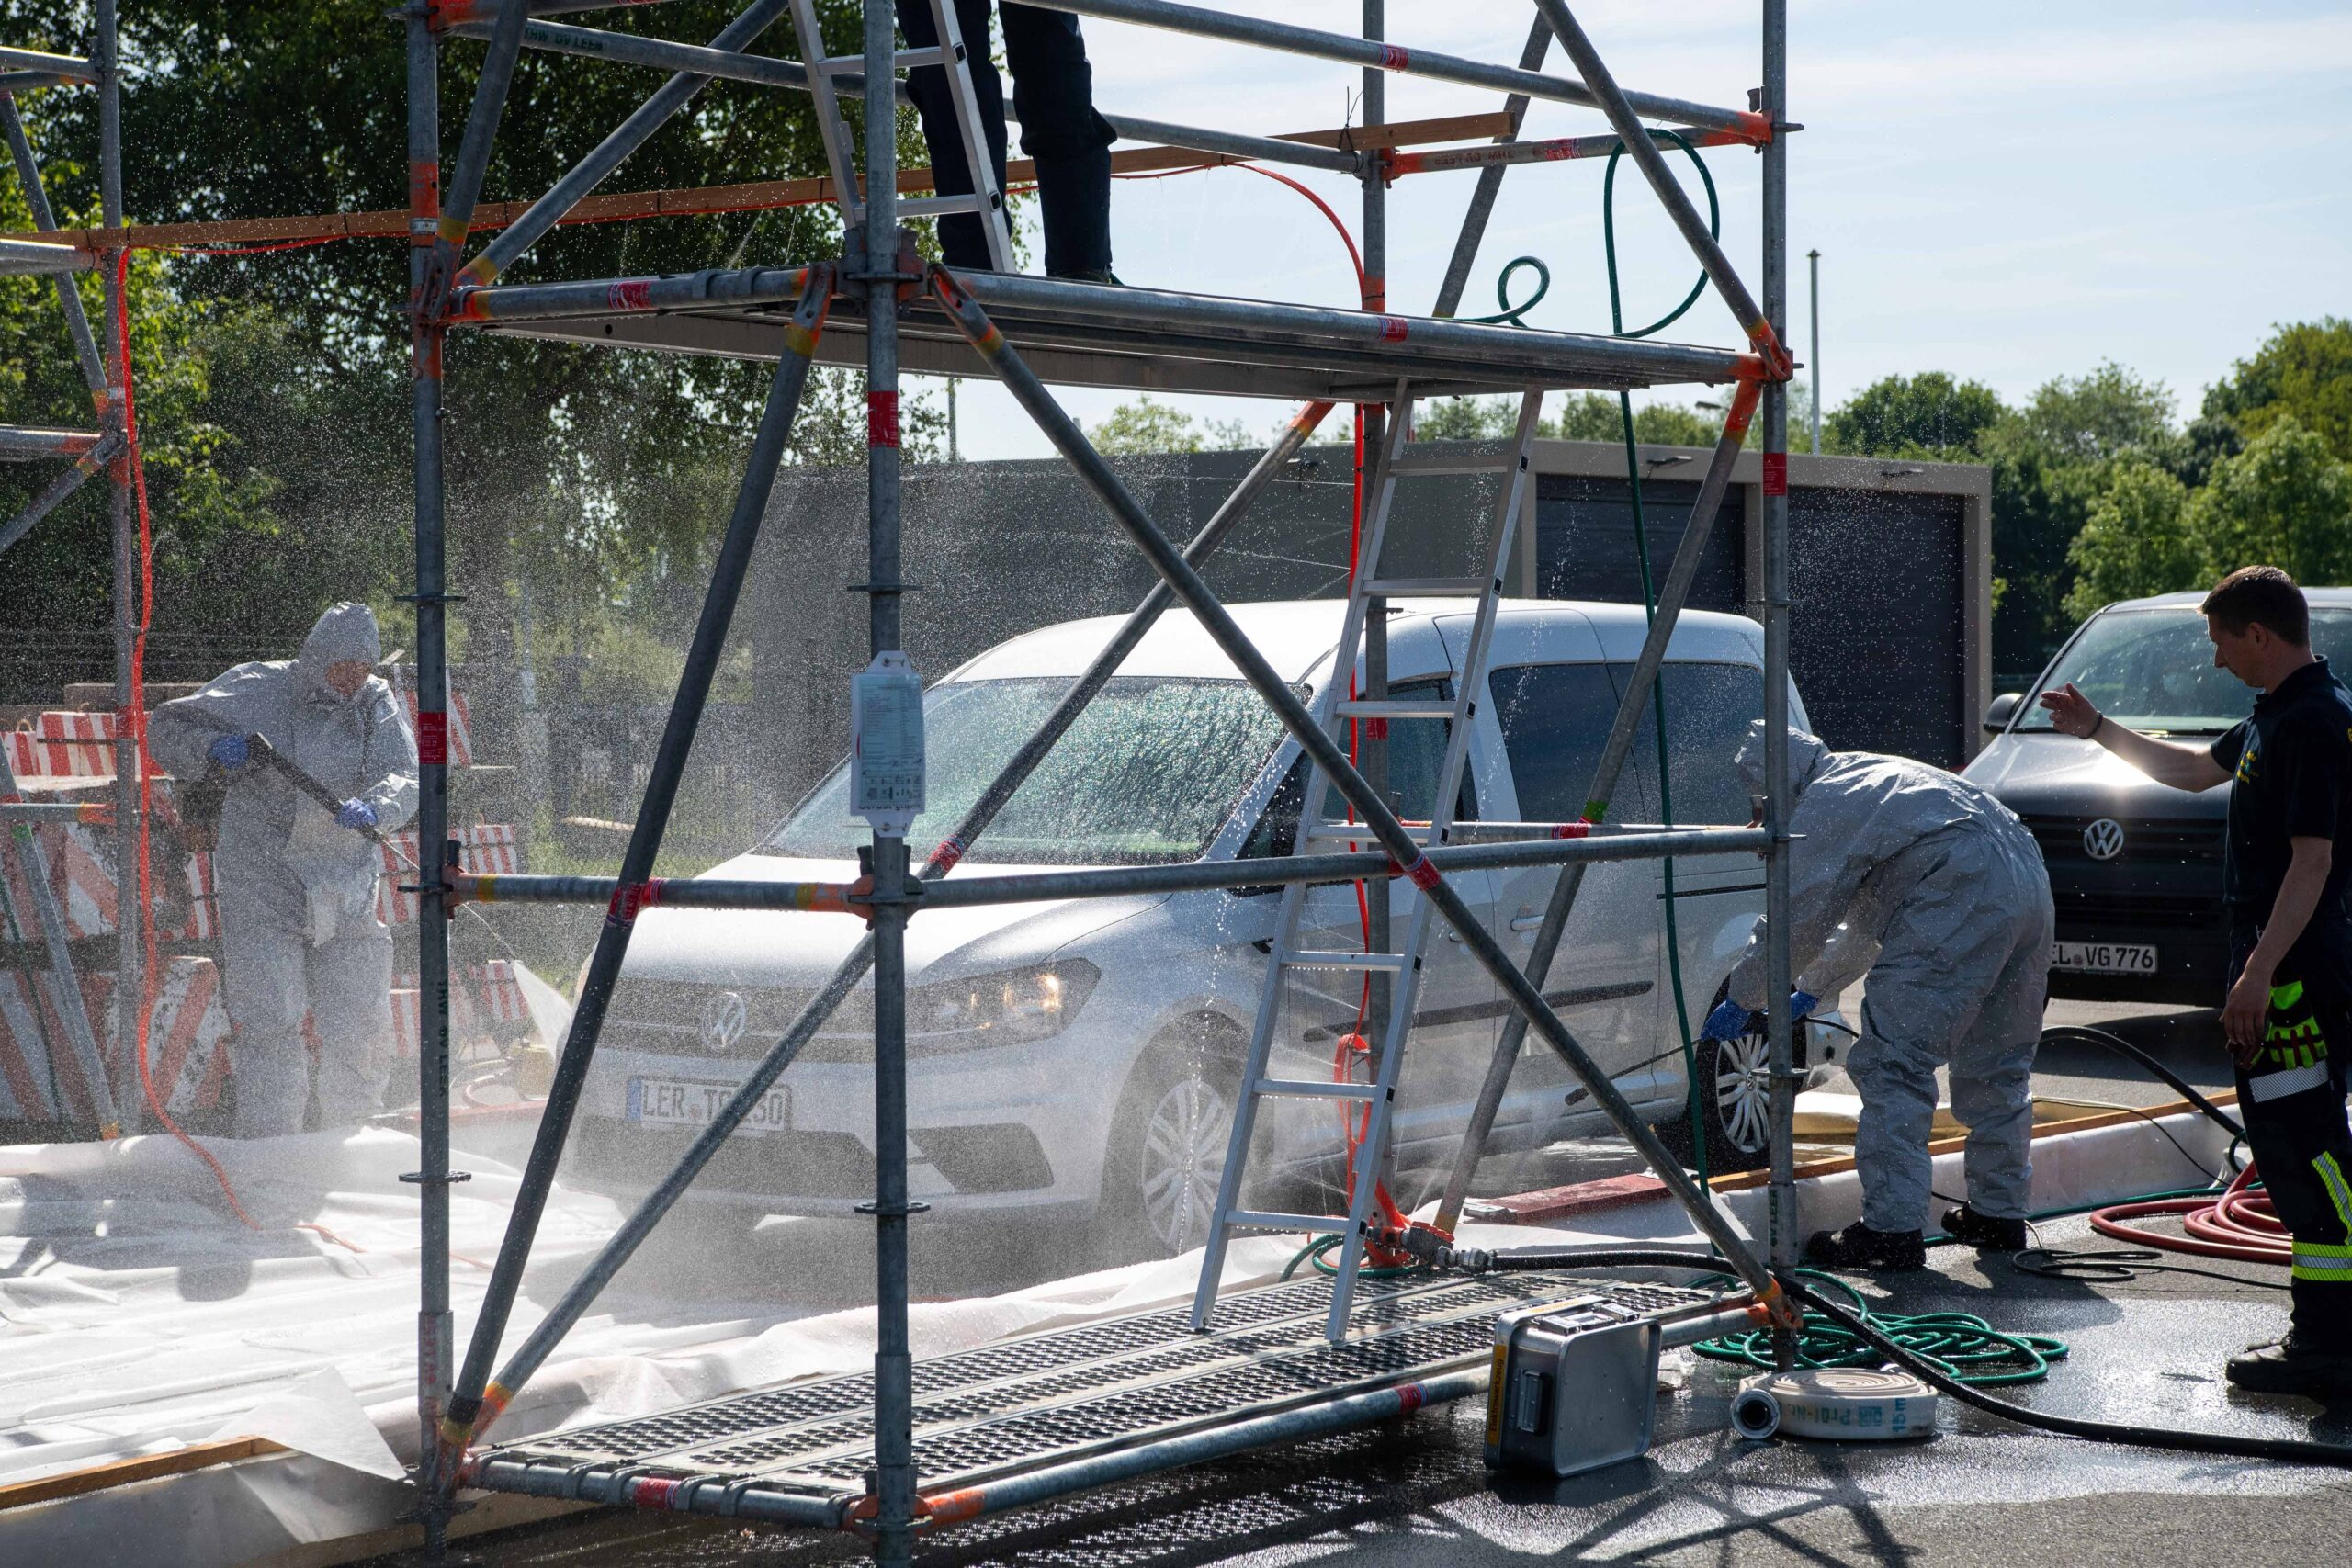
(2105, 957)
(687, 1102)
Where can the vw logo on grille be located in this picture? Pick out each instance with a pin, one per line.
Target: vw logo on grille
(722, 1021)
(2103, 840)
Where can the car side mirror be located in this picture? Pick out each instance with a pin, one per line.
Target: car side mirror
(2004, 708)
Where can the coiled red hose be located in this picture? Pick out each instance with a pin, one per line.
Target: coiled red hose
(2238, 1224)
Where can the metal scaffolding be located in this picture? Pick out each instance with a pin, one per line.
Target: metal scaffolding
(106, 448)
(880, 299)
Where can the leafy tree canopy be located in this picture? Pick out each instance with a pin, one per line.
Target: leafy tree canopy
(2304, 372)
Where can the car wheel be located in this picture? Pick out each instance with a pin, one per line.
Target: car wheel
(1166, 1152)
(1735, 1106)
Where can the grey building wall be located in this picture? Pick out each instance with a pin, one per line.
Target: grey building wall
(1890, 577)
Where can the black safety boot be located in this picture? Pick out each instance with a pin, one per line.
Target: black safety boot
(1963, 1223)
(1091, 274)
(2293, 1366)
(1859, 1247)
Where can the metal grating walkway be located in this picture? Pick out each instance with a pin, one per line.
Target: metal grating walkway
(1051, 1398)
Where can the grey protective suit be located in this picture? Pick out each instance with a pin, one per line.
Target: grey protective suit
(1940, 892)
(299, 931)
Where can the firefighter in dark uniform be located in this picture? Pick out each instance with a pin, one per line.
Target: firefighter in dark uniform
(2288, 895)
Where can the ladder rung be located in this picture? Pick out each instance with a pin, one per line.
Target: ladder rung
(1427, 587)
(932, 205)
(906, 60)
(1356, 832)
(1256, 1220)
(1311, 1088)
(1359, 707)
(1313, 958)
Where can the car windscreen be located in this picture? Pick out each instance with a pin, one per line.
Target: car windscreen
(1145, 776)
(2154, 670)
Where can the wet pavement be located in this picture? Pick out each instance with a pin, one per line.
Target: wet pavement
(1982, 1490)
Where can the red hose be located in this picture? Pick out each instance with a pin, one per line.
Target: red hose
(2238, 1224)
(136, 719)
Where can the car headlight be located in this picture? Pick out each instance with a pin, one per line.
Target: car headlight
(1005, 1008)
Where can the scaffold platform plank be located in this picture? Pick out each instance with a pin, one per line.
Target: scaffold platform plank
(1103, 335)
(801, 1451)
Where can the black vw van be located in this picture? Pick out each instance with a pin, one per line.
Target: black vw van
(2135, 868)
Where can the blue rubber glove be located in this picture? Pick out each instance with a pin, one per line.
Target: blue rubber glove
(356, 814)
(1801, 1003)
(230, 751)
(1728, 1022)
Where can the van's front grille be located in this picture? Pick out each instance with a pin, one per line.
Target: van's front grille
(686, 1018)
(2179, 912)
(2157, 841)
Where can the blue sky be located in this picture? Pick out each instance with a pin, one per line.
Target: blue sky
(2004, 191)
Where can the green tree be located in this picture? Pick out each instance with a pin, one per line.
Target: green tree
(2303, 372)
(2286, 501)
(579, 465)
(1147, 424)
(2140, 538)
(2051, 461)
(1927, 415)
(1595, 416)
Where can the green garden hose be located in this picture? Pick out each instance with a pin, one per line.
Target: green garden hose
(1960, 1345)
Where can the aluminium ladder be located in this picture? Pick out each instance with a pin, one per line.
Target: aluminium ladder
(1335, 707)
(986, 202)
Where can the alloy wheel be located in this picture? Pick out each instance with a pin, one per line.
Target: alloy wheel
(1183, 1157)
(1743, 1092)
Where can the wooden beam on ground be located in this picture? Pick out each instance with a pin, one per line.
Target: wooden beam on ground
(708, 201)
(123, 1471)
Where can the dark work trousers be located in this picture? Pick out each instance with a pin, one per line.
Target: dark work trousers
(2291, 1100)
(1053, 97)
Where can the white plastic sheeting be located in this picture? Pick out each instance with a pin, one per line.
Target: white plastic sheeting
(140, 1316)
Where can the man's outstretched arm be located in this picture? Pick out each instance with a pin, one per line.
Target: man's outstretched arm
(2166, 761)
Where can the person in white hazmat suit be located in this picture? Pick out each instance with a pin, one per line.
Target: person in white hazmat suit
(1940, 891)
(296, 882)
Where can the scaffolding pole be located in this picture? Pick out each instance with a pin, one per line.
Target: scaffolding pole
(893, 1486)
(880, 272)
(436, 1327)
(129, 996)
(1783, 1239)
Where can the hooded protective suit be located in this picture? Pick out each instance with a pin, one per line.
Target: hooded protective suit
(1937, 889)
(299, 931)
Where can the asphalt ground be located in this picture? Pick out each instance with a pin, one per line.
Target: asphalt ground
(2147, 1351)
(1980, 1490)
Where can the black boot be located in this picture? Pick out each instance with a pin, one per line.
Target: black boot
(1859, 1248)
(2293, 1366)
(1963, 1223)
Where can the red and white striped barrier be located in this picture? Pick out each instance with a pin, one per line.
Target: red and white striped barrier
(407, 1009)
(72, 744)
(24, 755)
(187, 1036)
(501, 993)
(80, 874)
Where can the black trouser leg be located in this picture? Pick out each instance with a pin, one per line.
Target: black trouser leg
(963, 241)
(2291, 1099)
(1053, 91)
